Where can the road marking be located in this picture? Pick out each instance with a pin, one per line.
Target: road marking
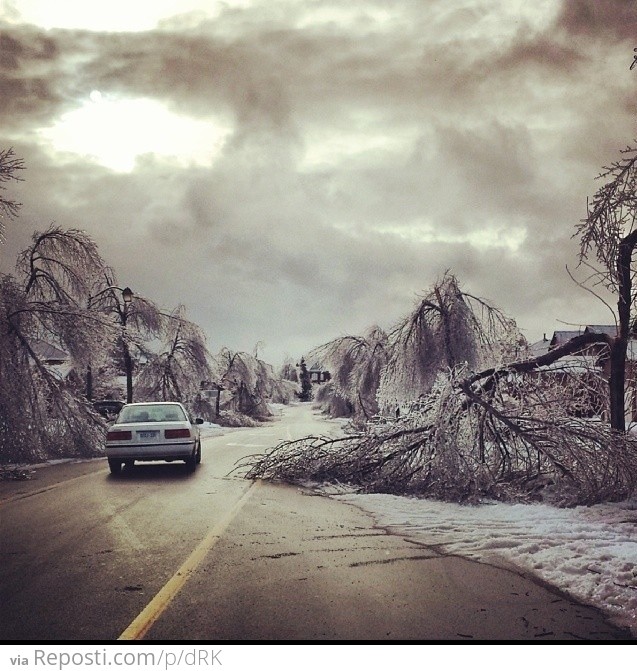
(140, 626)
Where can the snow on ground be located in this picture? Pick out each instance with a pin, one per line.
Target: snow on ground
(587, 552)
(208, 429)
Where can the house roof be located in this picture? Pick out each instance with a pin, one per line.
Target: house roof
(561, 337)
(609, 329)
(49, 352)
(538, 348)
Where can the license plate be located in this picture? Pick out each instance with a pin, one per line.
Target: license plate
(147, 434)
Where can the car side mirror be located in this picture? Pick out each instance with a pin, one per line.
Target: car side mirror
(199, 420)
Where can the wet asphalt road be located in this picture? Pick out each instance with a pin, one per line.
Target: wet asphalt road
(161, 554)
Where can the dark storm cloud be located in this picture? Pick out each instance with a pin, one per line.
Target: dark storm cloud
(27, 68)
(605, 19)
(495, 134)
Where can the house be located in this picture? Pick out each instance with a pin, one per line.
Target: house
(57, 361)
(592, 360)
(318, 375)
(539, 348)
(49, 354)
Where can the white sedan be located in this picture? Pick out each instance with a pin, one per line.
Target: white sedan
(160, 431)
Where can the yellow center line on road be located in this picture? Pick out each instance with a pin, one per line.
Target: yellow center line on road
(140, 626)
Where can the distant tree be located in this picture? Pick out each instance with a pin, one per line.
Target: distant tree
(288, 370)
(306, 385)
(9, 167)
(252, 383)
(357, 363)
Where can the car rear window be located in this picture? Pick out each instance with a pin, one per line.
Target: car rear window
(151, 413)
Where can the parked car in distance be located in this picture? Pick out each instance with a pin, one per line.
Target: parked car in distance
(108, 408)
(160, 431)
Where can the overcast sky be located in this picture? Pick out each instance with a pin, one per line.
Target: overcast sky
(296, 170)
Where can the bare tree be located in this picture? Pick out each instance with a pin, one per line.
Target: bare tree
(176, 372)
(46, 302)
(447, 328)
(9, 168)
(609, 234)
(251, 382)
(356, 364)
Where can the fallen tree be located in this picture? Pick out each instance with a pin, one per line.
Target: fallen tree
(515, 432)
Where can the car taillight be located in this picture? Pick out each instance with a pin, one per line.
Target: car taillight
(119, 435)
(177, 433)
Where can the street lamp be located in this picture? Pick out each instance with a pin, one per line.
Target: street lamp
(127, 295)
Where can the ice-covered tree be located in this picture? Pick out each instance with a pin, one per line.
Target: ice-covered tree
(356, 364)
(304, 379)
(288, 370)
(175, 372)
(46, 301)
(608, 236)
(10, 166)
(251, 382)
(512, 429)
(135, 322)
(448, 327)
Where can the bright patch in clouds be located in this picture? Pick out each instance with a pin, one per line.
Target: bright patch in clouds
(488, 237)
(112, 16)
(362, 142)
(115, 132)
(346, 15)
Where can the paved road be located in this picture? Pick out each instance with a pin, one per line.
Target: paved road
(160, 554)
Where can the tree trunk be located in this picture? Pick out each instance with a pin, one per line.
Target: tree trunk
(617, 385)
(444, 315)
(89, 383)
(128, 364)
(218, 401)
(620, 345)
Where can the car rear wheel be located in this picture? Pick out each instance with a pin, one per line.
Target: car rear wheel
(115, 465)
(191, 462)
(198, 455)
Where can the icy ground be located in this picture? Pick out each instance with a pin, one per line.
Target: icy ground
(587, 552)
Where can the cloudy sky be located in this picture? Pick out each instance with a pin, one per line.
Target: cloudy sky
(296, 170)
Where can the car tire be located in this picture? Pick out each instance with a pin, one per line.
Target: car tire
(115, 466)
(198, 455)
(191, 462)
